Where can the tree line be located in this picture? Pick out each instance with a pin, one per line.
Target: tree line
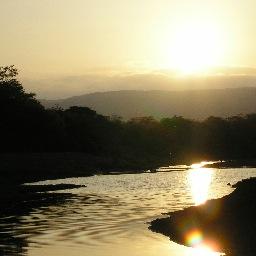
(26, 126)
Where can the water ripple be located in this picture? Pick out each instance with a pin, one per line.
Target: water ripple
(111, 208)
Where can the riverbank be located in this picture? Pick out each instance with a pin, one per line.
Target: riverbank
(28, 167)
(226, 225)
(235, 163)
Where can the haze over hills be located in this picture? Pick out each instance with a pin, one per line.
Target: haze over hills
(194, 104)
(68, 86)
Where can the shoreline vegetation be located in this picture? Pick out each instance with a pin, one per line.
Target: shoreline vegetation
(226, 224)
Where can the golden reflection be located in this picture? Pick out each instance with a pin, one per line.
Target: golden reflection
(202, 251)
(199, 180)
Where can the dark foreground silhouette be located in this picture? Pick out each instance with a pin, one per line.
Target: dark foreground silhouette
(226, 224)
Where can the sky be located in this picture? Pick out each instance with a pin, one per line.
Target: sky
(62, 38)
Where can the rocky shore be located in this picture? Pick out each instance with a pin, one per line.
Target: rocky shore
(226, 225)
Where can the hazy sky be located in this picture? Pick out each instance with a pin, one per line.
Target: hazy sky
(75, 37)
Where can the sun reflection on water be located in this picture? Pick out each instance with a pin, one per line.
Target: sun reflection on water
(202, 251)
(199, 180)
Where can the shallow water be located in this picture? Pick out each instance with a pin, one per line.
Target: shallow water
(110, 216)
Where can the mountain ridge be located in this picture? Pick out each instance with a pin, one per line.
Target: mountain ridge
(193, 104)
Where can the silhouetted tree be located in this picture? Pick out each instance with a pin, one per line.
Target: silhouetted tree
(21, 114)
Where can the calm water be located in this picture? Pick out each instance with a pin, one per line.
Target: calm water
(110, 216)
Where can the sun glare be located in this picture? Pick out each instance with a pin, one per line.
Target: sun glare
(203, 251)
(199, 180)
(195, 47)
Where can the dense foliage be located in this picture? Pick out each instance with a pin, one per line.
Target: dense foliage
(26, 126)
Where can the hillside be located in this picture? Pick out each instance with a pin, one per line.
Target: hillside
(195, 104)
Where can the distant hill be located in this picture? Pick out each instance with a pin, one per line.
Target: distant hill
(194, 104)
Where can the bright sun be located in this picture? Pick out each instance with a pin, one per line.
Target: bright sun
(195, 47)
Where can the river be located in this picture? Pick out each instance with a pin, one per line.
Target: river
(110, 215)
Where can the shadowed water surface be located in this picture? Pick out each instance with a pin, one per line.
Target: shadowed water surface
(109, 216)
